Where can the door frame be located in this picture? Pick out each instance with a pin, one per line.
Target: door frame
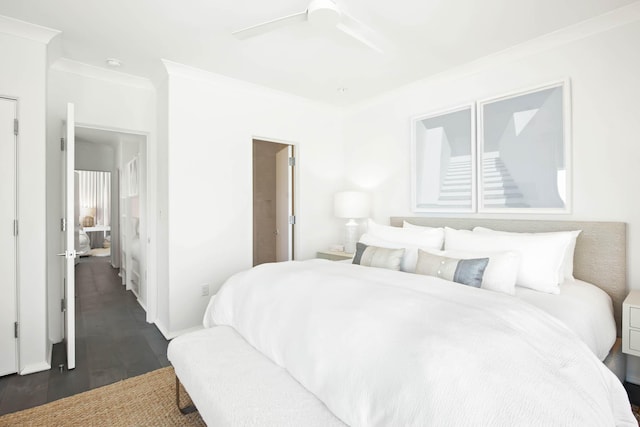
(294, 184)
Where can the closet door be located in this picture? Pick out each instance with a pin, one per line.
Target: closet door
(8, 238)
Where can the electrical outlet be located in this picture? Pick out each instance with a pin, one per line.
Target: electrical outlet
(204, 290)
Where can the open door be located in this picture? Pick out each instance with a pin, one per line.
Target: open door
(69, 221)
(285, 218)
(8, 237)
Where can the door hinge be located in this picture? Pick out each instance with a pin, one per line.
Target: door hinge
(16, 126)
(292, 220)
(61, 144)
(292, 161)
(16, 330)
(63, 224)
(63, 305)
(15, 227)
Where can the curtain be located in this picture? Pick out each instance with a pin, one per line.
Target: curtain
(95, 196)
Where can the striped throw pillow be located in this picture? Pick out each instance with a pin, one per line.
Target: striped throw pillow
(465, 271)
(374, 256)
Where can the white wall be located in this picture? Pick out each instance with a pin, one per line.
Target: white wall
(23, 75)
(104, 100)
(162, 208)
(211, 123)
(603, 69)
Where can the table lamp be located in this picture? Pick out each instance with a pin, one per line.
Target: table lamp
(351, 205)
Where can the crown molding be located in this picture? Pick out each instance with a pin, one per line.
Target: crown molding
(86, 70)
(27, 30)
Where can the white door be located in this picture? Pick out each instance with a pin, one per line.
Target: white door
(76, 213)
(285, 162)
(8, 239)
(69, 253)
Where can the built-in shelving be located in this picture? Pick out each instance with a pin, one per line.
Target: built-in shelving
(131, 258)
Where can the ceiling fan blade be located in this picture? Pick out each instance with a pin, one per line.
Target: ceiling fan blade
(361, 32)
(265, 27)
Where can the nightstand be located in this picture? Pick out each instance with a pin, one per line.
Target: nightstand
(333, 255)
(631, 324)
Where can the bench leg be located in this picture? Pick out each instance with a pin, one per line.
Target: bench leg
(188, 409)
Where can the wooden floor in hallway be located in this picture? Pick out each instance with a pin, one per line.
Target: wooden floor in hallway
(113, 342)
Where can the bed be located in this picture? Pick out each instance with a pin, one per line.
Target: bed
(321, 343)
(84, 247)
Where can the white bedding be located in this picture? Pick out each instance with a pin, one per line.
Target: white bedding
(584, 308)
(84, 243)
(388, 348)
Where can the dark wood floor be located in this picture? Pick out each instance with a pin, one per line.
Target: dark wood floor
(113, 342)
(633, 391)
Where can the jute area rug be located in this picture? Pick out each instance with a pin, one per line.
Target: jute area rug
(636, 413)
(146, 400)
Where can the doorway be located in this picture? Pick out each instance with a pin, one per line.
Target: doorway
(123, 156)
(273, 202)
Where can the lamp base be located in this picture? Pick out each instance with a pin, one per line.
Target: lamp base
(350, 236)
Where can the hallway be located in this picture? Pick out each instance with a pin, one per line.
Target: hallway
(113, 342)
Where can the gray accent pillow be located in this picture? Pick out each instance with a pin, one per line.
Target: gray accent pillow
(465, 271)
(374, 256)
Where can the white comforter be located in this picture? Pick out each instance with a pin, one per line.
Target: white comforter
(396, 349)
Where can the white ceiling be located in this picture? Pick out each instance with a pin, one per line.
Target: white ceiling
(428, 37)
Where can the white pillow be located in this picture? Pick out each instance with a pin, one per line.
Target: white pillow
(501, 272)
(541, 255)
(566, 271)
(421, 237)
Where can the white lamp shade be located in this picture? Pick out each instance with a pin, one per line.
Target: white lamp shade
(351, 204)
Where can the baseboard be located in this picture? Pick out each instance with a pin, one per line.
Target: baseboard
(633, 379)
(162, 329)
(142, 304)
(172, 334)
(36, 367)
(633, 370)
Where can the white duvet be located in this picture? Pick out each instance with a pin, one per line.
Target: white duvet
(388, 348)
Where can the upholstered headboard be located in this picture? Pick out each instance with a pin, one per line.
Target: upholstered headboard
(600, 256)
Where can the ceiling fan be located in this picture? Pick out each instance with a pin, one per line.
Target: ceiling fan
(323, 13)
